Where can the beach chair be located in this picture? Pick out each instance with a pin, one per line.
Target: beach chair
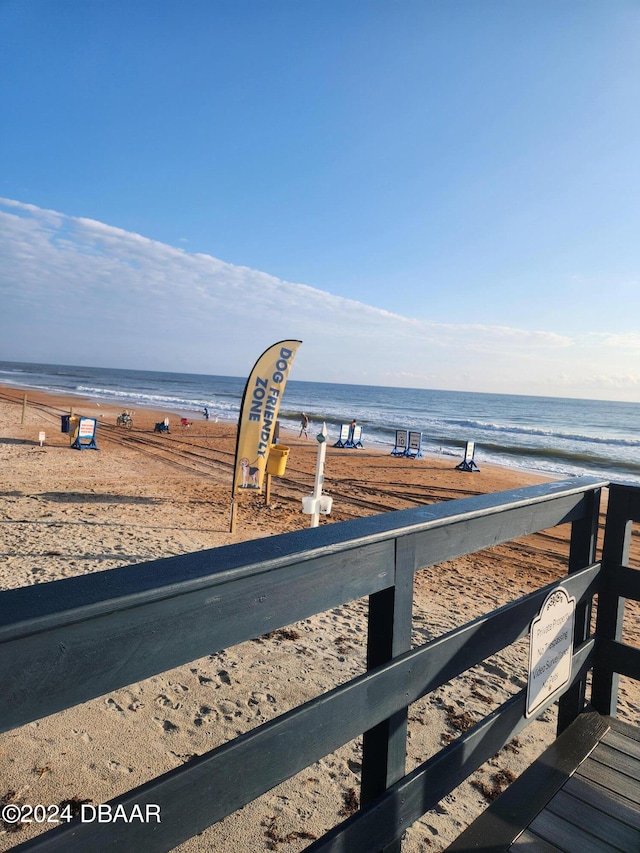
(467, 463)
(414, 449)
(355, 440)
(344, 436)
(400, 447)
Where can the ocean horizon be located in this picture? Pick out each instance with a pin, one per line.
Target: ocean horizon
(550, 435)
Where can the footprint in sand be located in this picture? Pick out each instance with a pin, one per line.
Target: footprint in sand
(495, 670)
(134, 701)
(84, 736)
(113, 705)
(121, 768)
(229, 710)
(164, 701)
(257, 698)
(204, 712)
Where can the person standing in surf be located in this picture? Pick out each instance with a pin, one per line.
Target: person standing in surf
(304, 425)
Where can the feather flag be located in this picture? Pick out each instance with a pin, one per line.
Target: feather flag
(258, 413)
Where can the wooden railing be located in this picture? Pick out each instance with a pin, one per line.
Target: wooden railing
(619, 582)
(66, 642)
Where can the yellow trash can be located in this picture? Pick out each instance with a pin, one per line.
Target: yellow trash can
(74, 426)
(277, 461)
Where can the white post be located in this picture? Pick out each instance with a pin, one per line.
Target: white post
(317, 488)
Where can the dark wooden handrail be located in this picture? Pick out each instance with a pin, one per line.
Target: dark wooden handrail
(65, 642)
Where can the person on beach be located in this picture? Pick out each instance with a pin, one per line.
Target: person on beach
(205, 412)
(304, 425)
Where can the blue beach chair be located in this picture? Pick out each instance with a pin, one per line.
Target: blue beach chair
(344, 436)
(468, 463)
(401, 443)
(355, 439)
(414, 450)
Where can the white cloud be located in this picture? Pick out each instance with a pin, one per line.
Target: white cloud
(79, 291)
(629, 340)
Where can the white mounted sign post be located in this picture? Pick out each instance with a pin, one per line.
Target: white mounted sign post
(319, 481)
(318, 504)
(550, 649)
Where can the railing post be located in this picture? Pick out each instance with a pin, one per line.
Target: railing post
(582, 552)
(389, 635)
(615, 553)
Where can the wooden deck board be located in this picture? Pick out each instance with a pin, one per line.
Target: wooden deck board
(617, 760)
(608, 777)
(601, 824)
(529, 842)
(615, 763)
(626, 729)
(569, 837)
(598, 807)
(616, 740)
(593, 808)
(619, 806)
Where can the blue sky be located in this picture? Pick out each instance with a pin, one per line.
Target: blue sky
(430, 194)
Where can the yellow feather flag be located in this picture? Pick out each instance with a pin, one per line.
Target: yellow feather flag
(258, 412)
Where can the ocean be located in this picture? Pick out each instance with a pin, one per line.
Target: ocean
(555, 436)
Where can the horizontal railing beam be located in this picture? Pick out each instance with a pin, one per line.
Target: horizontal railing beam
(467, 535)
(618, 658)
(65, 642)
(625, 582)
(64, 666)
(36, 608)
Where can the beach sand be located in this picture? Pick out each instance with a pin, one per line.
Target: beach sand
(142, 496)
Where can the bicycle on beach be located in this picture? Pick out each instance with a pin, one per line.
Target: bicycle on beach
(125, 420)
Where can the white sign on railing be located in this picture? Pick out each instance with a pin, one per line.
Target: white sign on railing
(550, 649)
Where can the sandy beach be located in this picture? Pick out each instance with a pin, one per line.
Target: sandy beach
(144, 495)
